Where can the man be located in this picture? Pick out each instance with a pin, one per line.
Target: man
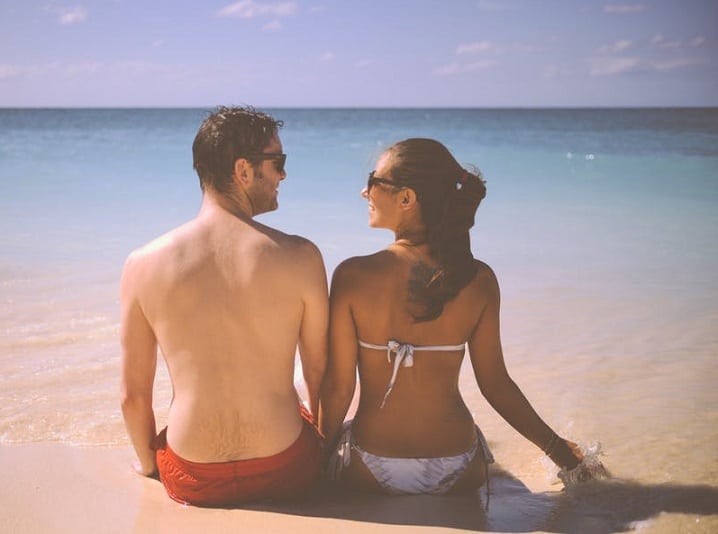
(227, 300)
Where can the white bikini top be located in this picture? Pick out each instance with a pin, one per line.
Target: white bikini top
(404, 355)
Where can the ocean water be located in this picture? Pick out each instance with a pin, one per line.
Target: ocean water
(601, 224)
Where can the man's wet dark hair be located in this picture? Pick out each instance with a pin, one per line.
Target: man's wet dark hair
(227, 134)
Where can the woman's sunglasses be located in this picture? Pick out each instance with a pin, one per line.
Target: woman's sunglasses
(278, 159)
(373, 180)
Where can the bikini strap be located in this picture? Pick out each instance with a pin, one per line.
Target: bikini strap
(404, 357)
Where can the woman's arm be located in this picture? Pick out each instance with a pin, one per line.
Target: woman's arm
(340, 378)
(501, 391)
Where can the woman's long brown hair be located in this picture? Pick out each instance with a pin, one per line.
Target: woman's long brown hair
(448, 196)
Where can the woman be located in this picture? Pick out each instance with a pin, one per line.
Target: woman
(403, 316)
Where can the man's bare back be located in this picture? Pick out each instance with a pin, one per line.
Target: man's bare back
(227, 301)
(229, 343)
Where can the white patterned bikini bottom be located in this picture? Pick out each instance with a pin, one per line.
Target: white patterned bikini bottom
(408, 475)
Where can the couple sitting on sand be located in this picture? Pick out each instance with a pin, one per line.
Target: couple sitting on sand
(228, 300)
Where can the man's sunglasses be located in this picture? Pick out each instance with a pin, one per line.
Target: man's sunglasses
(373, 180)
(278, 159)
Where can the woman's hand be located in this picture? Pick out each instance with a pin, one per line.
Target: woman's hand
(566, 454)
(577, 467)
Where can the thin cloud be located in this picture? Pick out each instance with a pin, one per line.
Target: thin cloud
(461, 68)
(661, 42)
(364, 63)
(272, 26)
(622, 9)
(143, 67)
(526, 47)
(8, 71)
(478, 47)
(327, 56)
(72, 15)
(77, 69)
(248, 9)
(618, 46)
(73, 70)
(551, 71)
(670, 64)
(611, 66)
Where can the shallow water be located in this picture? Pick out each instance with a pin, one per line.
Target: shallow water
(600, 224)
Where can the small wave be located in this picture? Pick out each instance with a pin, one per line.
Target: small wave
(39, 335)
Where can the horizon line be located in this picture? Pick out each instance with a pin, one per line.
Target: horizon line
(329, 108)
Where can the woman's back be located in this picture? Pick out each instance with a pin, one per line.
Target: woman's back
(423, 414)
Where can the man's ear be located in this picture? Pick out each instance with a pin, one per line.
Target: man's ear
(242, 171)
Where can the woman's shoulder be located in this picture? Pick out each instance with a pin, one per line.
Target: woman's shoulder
(370, 262)
(483, 269)
(358, 270)
(485, 277)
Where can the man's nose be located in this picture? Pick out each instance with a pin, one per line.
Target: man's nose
(365, 193)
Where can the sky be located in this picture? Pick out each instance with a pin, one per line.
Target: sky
(358, 53)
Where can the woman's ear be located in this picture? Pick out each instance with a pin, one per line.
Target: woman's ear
(407, 198)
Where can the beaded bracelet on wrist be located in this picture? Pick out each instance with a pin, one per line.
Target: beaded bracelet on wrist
(551, 445)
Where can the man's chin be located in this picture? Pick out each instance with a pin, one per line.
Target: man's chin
(264, 209)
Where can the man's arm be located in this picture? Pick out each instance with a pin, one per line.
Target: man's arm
(139, 360)
(315, 321)
(340, 380)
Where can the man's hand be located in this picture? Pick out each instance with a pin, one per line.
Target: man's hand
(150, 472)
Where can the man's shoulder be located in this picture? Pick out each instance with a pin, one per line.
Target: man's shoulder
(294, 255)
(160, 250)
(157, 246)
(291, 243)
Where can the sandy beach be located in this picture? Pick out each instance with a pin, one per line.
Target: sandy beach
(61, 488)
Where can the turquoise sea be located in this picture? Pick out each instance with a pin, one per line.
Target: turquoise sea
(602, 226)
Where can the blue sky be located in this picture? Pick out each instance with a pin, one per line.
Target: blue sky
(358, 53)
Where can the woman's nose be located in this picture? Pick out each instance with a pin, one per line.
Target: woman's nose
(365, 192)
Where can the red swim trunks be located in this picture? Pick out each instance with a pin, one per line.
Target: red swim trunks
(283, 475)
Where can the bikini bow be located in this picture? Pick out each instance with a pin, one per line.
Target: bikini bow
(404, 356)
